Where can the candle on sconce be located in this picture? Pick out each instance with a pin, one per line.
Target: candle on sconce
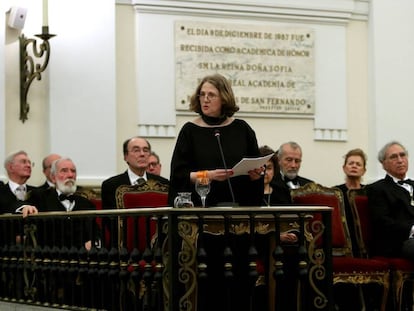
(45, 13)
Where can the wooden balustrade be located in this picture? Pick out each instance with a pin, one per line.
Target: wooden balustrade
(187, 251)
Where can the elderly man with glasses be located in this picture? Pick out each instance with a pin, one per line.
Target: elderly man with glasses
(154, 164)
(136, 152)
(13, 194)
(391, 205)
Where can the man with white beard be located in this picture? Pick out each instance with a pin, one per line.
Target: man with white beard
(63, 198)
(289, 159)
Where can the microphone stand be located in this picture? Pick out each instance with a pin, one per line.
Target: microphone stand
(233, 203)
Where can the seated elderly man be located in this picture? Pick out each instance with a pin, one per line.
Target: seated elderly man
(289, 161)
(391, 204)
(14, 193)
(62, 197)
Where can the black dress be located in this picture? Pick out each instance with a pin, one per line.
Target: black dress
(197, 149)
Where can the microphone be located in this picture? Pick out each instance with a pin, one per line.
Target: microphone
(233, 203)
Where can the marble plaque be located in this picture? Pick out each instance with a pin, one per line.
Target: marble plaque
(270, 68)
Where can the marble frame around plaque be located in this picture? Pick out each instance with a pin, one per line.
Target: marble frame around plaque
(271, 68)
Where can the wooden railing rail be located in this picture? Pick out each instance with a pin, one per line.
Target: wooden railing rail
(185, 251)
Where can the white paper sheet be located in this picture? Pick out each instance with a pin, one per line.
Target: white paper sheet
(247, 164)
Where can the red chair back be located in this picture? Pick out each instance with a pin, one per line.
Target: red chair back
(105, 234)
(315, 194)
(358, 202)
(150, 194)
(145, 199)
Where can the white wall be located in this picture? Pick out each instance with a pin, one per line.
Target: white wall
(89, 100)
(73, 107)
(391, 76)
(4, 7)
(82, 86)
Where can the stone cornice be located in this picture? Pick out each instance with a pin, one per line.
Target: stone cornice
(339, 11)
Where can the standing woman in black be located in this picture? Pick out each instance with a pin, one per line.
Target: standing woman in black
(197, 153)
(197, 149)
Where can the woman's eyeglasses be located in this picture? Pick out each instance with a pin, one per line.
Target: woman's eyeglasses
(207, 96)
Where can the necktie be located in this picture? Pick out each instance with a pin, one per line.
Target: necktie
(69, 197)
(139, 181)
(20, 192)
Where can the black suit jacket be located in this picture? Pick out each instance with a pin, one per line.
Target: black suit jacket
(108, 191)
(44, 186)
(392, 216)
(8, 201)
(281, 192)
(109, 186)
(61, 232)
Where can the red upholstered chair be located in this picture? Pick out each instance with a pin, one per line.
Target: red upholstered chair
(402, 269)
(104, 235)
(97, 202)
(150, 194)
(94, 196)
(346, 269)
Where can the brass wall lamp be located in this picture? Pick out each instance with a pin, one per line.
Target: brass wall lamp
(32, 65)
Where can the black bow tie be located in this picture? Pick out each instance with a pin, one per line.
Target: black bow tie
(294, 180)
(63, 197)
(405, 181)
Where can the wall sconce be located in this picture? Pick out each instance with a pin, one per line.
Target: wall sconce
(31, 67)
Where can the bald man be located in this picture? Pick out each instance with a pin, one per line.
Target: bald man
(47, 164)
